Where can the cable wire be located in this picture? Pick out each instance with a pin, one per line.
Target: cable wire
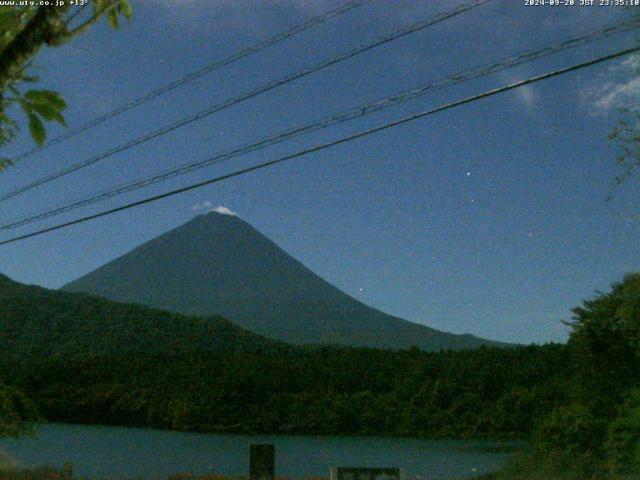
(194, 75)
(342, 117)
(416, 27)
(324, 146)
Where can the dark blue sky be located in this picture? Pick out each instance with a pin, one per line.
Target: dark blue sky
(489, 219)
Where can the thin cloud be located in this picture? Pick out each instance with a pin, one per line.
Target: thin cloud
(527, 95)
(208, 207)
(202, 206)
(224, 211)
(247, 14)
(619, 94)
(619, 88)
(632, 62)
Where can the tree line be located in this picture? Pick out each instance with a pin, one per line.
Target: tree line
(577, 404)
(489, 392)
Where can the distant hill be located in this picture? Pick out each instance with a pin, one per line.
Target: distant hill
(36, 322)
(219, 264)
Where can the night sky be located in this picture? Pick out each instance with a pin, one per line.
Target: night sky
(490, 219)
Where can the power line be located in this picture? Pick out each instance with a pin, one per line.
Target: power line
(345, 116)
(253, 93)
(324, 146)
(197, 74)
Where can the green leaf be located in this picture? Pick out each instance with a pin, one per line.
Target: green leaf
(48, 112)
(112, 17)
(126, 9)
(26, 106)
(46, 97)
(9, 24)
(5, 162)
(60, 119)
(36, 129)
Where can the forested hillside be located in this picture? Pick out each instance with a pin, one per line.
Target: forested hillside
(36, 323)
(595, 434)
(487, 392)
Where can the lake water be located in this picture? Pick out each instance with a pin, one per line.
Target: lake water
(97, 451)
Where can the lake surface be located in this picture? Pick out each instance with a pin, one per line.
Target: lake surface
(97, 451)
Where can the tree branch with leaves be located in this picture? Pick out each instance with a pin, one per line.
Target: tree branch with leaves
(25, 30)
(626, 136)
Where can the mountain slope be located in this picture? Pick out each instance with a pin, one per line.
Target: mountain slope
(219, 264)
(36, 322)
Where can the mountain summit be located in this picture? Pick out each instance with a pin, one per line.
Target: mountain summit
(217, 264)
